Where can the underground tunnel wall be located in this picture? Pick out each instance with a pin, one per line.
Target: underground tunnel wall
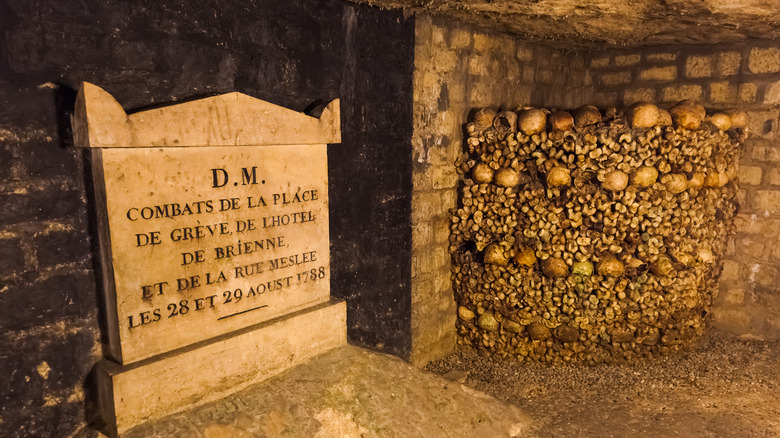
(459, 68)
(154, 53)
(744, 76)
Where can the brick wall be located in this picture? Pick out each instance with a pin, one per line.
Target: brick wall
(49, 334)
(746, 76)
(457, 69)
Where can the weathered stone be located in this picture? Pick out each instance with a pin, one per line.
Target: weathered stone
(732, 296)
(605, 99)
(437, 35)
(441, 230)
(484, 42)
(460, 38)
(350, 390)
(12, 255)
(772, 95)
(661, 57)
(616, 78)
(764, 124)
(728, 63)
(750, 175)
(732, 270)
(634, 95)
(524, 53)
(60, 247)
(698, 66)
(444, 60)
(774, 176)
(50, 301)
(600, 62)
(224, 431)
(421, 233)
(658, 74)
(748, 248)
(766, 153)
(763, 274)
(722, 92)
(766, 201)
(732, 320)
(151, 391)
(676, 93)
(764, 60)
(747, 92)
(41, 205)
(626, 60)
(444, 177)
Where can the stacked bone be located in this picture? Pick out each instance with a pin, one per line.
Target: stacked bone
(592, 237)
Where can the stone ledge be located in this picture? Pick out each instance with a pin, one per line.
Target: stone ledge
(153, 388)
(348, 392)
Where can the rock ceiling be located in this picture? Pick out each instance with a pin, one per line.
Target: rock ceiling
(612, 22)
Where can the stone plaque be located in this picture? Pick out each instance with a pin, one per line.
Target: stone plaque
(213, 216)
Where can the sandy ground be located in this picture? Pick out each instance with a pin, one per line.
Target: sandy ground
(727, 388)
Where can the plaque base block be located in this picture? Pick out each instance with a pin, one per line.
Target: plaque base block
(133, 394)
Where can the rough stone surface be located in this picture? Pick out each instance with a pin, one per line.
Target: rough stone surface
(444, 94)
(658, 74)
(697, 66)
(129, 396)
(633, 95)
(764, 60)
(677, 93)
(626, 60)
(348, 392)
(728, 63)
(723, 92)
(750, 175)
(772, 95)
(747, 92)
(661, 57)
(643, 22)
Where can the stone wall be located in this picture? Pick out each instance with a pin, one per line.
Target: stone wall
(745, 76)
(158, 52)
(457, 69)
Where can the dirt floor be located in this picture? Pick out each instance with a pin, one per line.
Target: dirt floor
(727, 388)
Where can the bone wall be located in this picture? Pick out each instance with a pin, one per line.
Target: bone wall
(747, 76)
(595, 237)
(458, 68)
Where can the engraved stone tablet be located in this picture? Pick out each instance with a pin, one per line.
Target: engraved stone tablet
(213, 216)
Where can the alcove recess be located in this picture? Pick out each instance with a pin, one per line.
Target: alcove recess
(592, 236)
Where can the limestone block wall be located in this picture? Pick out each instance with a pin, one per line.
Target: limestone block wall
(458, 68)
(745, 76)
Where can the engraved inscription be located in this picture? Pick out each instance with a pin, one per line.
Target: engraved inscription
(206, 241)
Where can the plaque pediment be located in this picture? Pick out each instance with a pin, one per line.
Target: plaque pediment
(232, 119)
